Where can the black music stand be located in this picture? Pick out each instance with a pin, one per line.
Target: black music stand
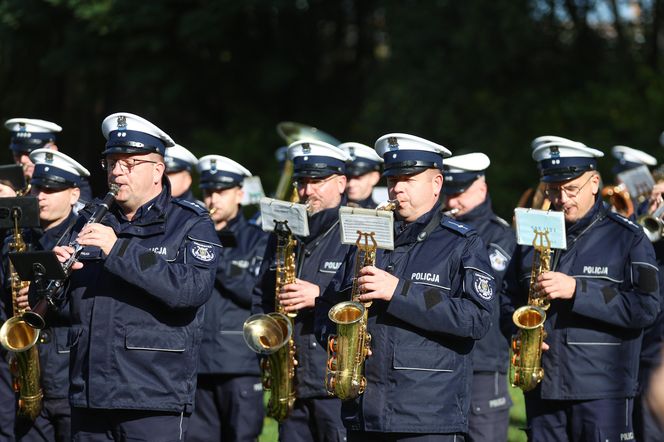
(12, 176)
(26, 209)
(36, 266)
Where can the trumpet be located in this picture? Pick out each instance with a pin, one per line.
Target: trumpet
(653, 224)
(619, 198)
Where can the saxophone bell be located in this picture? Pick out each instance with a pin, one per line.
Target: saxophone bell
(526, 350)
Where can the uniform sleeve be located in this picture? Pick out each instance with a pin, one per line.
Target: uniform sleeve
(338, 290)
(238, 282)
(187, 282)
(632, 304)
(262, 300)
(466, 313)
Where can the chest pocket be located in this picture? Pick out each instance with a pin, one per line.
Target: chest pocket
(423, 359)
(154, 340)
(584, 336)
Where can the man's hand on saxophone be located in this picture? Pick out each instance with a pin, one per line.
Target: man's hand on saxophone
(376, 284)
(556, 285)
(301, 294)
(22, 298)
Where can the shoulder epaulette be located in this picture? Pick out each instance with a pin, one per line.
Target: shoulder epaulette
(456, 226)
(625, 222)
(194, 207)
(498, 220)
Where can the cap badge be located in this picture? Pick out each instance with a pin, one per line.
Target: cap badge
(555, 153)
(213, 166)
(351, 152)
(393, 143)
(49, 157)
(21, 127)
(306, 148)
(122, 122)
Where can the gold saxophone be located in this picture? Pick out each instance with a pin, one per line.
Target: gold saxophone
(19, 338)
(526, 350)
(348, 349)
(272, 334)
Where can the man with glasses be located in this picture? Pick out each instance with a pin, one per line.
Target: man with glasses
(135, 296)
(319, 170)
(603, 290)
(431, 298)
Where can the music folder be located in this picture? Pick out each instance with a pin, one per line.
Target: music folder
(43, 264)
(26, 207)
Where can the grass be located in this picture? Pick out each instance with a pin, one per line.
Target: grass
(515, 432)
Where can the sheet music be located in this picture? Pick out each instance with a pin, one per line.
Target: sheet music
(381, 222)
(277, 210)
(529, 220)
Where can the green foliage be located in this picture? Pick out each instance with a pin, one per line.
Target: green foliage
(488, 75)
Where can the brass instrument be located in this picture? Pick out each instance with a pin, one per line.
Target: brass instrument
(653, 224)
(534, 198)
(292, 132)
(526, 350)
(619, 198)
(272, 334)
(19, 338)
(451, 212)
(348, 349)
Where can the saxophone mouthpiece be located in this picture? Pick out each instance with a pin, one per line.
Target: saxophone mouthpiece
(388, 205)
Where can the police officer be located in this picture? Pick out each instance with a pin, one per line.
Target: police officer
(362, 173)
(29, 134)
(319, 172)
(179, 165)
(466, 195)
(432, 298)
(229, 395)
(603, 291)
(136, 294)
(55, 183)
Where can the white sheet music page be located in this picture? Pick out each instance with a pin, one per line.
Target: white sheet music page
(528, 221)
(276, 210)
(354, 219)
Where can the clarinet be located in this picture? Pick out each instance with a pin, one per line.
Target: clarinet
(35, 316)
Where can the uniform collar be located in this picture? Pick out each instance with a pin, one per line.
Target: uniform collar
(322, 221)
(482, 211)
(49, 238)
(229, 233)
(152, 210)
(408, 232)
(367, 203)
(596, 210)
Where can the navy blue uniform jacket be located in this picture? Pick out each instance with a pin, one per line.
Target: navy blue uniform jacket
(223, 349)
(137, 313)
(595, 337)
(318, 257)
(491, 352)
(418, 377)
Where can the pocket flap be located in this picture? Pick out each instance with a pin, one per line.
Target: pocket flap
(427, 359)
(584, 336)
(73, 336)
(155, 340)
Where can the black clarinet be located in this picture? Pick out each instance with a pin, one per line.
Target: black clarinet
(35, 316)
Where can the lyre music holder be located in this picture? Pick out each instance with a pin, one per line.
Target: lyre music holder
(26, 207)
(38, 265)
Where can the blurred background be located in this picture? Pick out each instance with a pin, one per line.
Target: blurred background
(218, 75)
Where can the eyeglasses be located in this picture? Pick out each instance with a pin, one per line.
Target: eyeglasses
(126, 165)
(570, 191)
(314, 183)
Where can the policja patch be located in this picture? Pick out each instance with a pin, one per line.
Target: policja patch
(483, 287)
(202, 252)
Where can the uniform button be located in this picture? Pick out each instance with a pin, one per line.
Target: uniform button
(44, 337)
